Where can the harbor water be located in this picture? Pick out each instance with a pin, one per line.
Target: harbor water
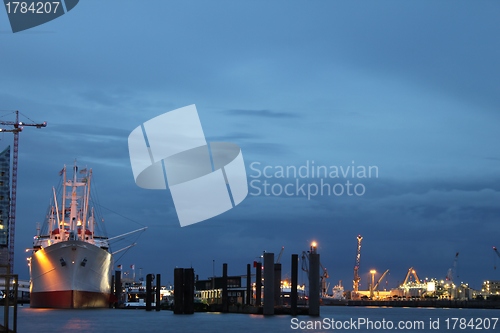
(332, 318)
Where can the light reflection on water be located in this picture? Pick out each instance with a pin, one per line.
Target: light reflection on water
(111, 320)
(77, 324)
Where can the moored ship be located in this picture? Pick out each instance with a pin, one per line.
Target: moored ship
(71, 264)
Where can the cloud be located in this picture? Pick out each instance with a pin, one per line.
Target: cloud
(103, 98)
(261, 113)
(95, 132)
(237, 137)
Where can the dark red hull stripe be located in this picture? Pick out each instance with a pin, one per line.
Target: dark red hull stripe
(69, 299)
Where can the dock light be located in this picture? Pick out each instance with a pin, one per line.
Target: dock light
(314, 246)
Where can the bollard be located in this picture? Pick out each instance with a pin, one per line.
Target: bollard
(149, 291)
(295, 275)
(268, 284)
(249, 284)
(225, 304)
(118, 288)
(178, 291)
(188, 307)
(258, 284)
(277, 284)
(158, 289)
(113, 292)
(314, 284)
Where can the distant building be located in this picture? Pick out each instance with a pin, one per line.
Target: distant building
(491, 287)
(210, 291)
(4, 208)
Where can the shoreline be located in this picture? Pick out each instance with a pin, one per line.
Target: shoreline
(418, 303)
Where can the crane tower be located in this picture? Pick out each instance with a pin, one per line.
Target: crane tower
(17, 127)
(357, 278)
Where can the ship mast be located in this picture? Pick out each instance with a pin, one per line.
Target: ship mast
(86, 204)
(63, 206)
(74, 203)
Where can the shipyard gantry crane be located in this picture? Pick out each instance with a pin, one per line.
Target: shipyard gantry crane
(17, 127)
(357, 278)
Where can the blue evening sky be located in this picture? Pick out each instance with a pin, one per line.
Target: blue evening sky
(411, 87)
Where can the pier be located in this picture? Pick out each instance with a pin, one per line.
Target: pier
(228, 294)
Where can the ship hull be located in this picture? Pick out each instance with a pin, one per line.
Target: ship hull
(70, 274)
(69, 299)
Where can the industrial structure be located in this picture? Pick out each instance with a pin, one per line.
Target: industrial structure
(357, 278)
(4, 208)
(413, 287)
(17, 127)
